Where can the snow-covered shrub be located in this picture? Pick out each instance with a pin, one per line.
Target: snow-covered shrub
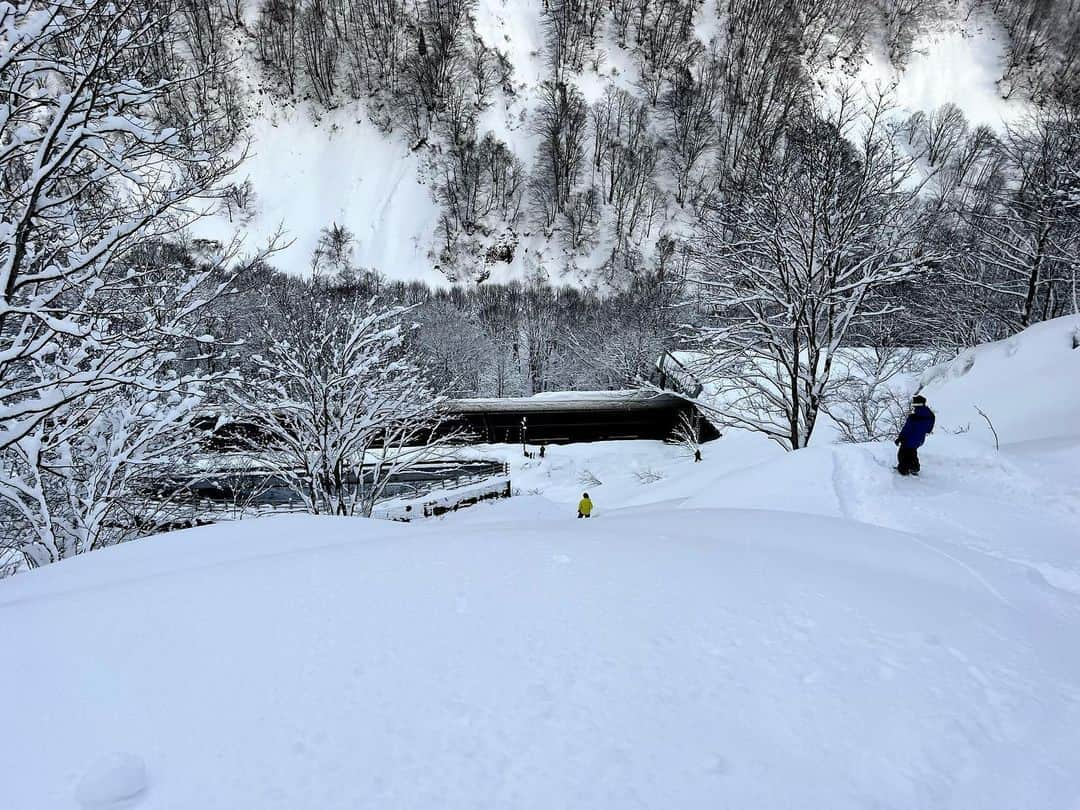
(648, 475)
(871, 395)
(687, 432)
(587, 478)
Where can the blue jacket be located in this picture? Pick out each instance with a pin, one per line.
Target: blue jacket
(918, 424)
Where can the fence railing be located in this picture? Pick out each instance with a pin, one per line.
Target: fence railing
(449, 500)
(408, 497)
(673, 375)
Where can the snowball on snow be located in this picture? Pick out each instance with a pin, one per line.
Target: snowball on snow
(114, 780)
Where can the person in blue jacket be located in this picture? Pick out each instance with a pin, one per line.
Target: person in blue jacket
(919, 423)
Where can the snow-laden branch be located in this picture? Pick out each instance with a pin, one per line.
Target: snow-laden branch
(91, 391)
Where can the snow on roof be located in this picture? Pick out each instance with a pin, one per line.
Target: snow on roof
(566, 400)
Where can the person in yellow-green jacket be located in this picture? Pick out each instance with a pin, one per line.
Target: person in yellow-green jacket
(584, 507)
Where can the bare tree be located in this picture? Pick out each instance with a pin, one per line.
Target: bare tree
(622, 15)
(451, 346)
(376, 45)
(902, 19)
(938, 134)
(1044, 46)
(540, 335)
(687, 432)
(480, 185)
(582, 214)
(320, 48)
(561, 125)
(621, 342)
(570, 30)
(763, 85)
(277, 38)
(788, 271)
(870, 396)
(333, 257)
(498, 310)
(625, 157)
(690, 111)
(1024, 235)
(437, 67)
(665, 42)
(977, 159)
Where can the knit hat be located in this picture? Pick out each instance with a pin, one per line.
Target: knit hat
(919, 399)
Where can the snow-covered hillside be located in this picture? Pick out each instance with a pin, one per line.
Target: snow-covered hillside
(1027, 385)
(310, 168)
(961, 61)
(307, 175)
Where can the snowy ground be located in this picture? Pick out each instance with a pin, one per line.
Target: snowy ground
(666, 653)
(760, 630)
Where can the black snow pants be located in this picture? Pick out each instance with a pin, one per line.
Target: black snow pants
(907, 460)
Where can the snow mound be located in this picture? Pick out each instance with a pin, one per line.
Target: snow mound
(762, 629)
(113, 782)
(1028, 385)
(1021, 504)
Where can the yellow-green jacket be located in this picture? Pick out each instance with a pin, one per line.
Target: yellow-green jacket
(584, 507)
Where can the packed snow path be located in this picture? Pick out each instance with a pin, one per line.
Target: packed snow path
(664, 654)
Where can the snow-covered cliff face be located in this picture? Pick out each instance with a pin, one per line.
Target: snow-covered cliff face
(584, 141)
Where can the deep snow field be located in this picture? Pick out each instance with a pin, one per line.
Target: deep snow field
(760, 630)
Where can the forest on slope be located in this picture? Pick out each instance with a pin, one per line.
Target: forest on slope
(594, 141)
(632, 150)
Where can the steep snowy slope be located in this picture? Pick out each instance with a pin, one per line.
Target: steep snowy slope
(1028, 385)
(960, 62)
(345, 171)
(307, 175)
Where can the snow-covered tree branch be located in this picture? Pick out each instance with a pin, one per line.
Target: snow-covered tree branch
(91, 331)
